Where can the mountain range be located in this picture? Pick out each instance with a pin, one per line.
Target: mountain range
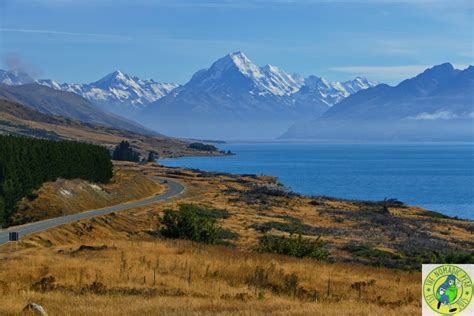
(234, 98)
(116, 92)
(437, 104)
(66, 104)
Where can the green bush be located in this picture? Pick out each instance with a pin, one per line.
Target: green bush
(294, 246)
(215, 213)
(407, 260)
(196, 223)
(369, 251)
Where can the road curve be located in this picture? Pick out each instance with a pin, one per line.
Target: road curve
(174, 189)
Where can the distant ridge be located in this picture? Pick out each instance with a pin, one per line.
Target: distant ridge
(116, 92)
(437, 104)
(18, 119)
(70, 105)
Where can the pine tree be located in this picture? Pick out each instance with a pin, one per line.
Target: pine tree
(26, 163)
(124, 152)
(151, 157)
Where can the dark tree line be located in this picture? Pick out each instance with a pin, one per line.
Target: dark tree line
(203, 147)
(26, 163)
(125, 152)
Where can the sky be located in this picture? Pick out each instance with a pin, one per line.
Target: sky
(169, 40)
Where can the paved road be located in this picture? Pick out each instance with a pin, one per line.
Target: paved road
(174, 189)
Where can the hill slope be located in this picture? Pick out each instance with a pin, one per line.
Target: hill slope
(66, 104)
(18, 119)
(116, 92)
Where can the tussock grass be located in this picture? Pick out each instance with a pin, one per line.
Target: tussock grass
(63, 197)
(140, 273)
(174, 277)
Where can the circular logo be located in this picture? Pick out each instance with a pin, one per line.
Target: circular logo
(447, 289)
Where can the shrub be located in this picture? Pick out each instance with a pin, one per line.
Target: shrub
(209, 212)
(196, 223)
(279, 282)
(295, 226)
(408, 259)
(368, 251)
(228, 234)
(294, 246)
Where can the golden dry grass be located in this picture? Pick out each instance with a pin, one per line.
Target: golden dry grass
(138, 274)
(63, 197)
(155, 277)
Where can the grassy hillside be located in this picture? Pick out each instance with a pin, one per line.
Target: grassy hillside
(64, 197)
(120, 264)
(54, 102)
(21, 120)
(27, 163)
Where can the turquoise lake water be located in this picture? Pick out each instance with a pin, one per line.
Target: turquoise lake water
(438, 177)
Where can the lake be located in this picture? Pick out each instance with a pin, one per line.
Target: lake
(438, 177)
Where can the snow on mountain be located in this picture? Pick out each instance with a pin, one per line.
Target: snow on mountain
(279, 82)
(14, 77)
(117, 88)
(234, 96)
(237, 71)
(316, 89)
(436, 105)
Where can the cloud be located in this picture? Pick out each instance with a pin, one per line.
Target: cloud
(14, 62)
(439, 115)
(52, 32)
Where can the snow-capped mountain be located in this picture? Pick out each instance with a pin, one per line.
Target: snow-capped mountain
(319, 90)
(236, 98)
(233, 98)
(14, 77)
(117, 91)
(437, 104)
(236, 72)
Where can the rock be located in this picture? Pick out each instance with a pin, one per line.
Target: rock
(35, 308)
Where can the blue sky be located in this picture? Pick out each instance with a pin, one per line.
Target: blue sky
(169, 40)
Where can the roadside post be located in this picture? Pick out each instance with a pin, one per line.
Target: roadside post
(13, 237)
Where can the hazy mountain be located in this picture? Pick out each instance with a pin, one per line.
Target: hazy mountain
(234, 98)
(66, 104)
(17, 119)
(15, 77)
(116, 92)
(438, 104)
(318, 90)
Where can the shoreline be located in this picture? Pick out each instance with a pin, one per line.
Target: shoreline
(448, 212)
